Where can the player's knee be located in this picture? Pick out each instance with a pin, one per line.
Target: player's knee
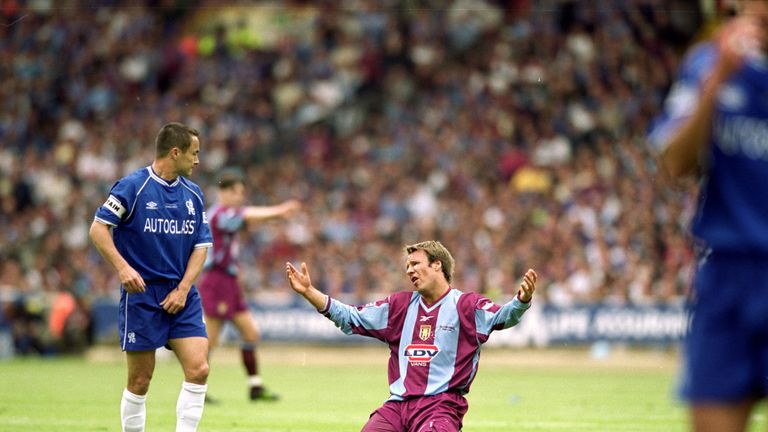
(199, 373)
(139, 384)
(202, 371)
(250, 335)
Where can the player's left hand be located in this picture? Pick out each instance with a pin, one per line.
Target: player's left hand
(742, 37)
(527, 286)
(299, 280)
(174, 301)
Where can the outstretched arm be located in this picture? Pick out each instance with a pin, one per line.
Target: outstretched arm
(259, 213)
(490, 316)
(302, 284)
(370, 320)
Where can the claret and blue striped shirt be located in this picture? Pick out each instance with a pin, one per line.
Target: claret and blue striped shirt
(433, 349)
(226, 223)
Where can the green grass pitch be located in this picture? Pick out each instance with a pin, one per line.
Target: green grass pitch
(335, 388)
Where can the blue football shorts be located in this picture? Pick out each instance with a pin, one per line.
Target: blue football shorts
(144, 325)
(725, 353)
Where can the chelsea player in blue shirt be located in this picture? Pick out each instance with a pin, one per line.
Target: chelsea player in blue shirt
(715, 123)
(158, 245)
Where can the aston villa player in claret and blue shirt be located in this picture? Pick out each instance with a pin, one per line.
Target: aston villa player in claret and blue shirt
(223, 297)
(434, 334)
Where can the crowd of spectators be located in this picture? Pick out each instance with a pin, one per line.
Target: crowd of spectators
(513, 132)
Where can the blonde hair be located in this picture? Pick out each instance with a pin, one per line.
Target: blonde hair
(435, 252)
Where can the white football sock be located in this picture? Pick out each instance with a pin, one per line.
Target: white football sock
(189, 407)
(133, 412)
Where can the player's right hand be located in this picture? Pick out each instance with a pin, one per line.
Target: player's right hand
(300, 281)
(131, 280)
(291, 206)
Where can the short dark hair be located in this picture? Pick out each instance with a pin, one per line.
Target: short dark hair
(174, 135)
(435, 252)
(230, 177)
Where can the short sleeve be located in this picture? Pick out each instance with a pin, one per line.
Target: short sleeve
(118, 204)
(683, 95)
(204, 237)
(485, 314)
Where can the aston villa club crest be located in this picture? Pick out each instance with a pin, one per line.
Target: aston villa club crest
(425, 332)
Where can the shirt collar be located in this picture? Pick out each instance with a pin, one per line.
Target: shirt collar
(161, 180)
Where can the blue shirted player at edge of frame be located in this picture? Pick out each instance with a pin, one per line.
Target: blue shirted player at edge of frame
(715, 123)
(158, 243)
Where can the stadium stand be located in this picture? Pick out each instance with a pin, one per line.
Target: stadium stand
(511, 132)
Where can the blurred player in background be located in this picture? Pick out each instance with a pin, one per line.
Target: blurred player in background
(715, 123)
(158, 245)
(434, 335)
(223, 298)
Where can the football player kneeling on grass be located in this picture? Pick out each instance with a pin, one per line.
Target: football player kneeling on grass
(434, 333)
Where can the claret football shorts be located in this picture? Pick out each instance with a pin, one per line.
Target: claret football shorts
(221, 294)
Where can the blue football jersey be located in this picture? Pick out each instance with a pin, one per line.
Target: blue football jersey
(157, 224)
(732, 214)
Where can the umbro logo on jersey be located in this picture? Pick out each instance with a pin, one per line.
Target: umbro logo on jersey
(151, 205)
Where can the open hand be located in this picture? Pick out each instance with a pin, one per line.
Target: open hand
(527, 286)
(300, 281)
